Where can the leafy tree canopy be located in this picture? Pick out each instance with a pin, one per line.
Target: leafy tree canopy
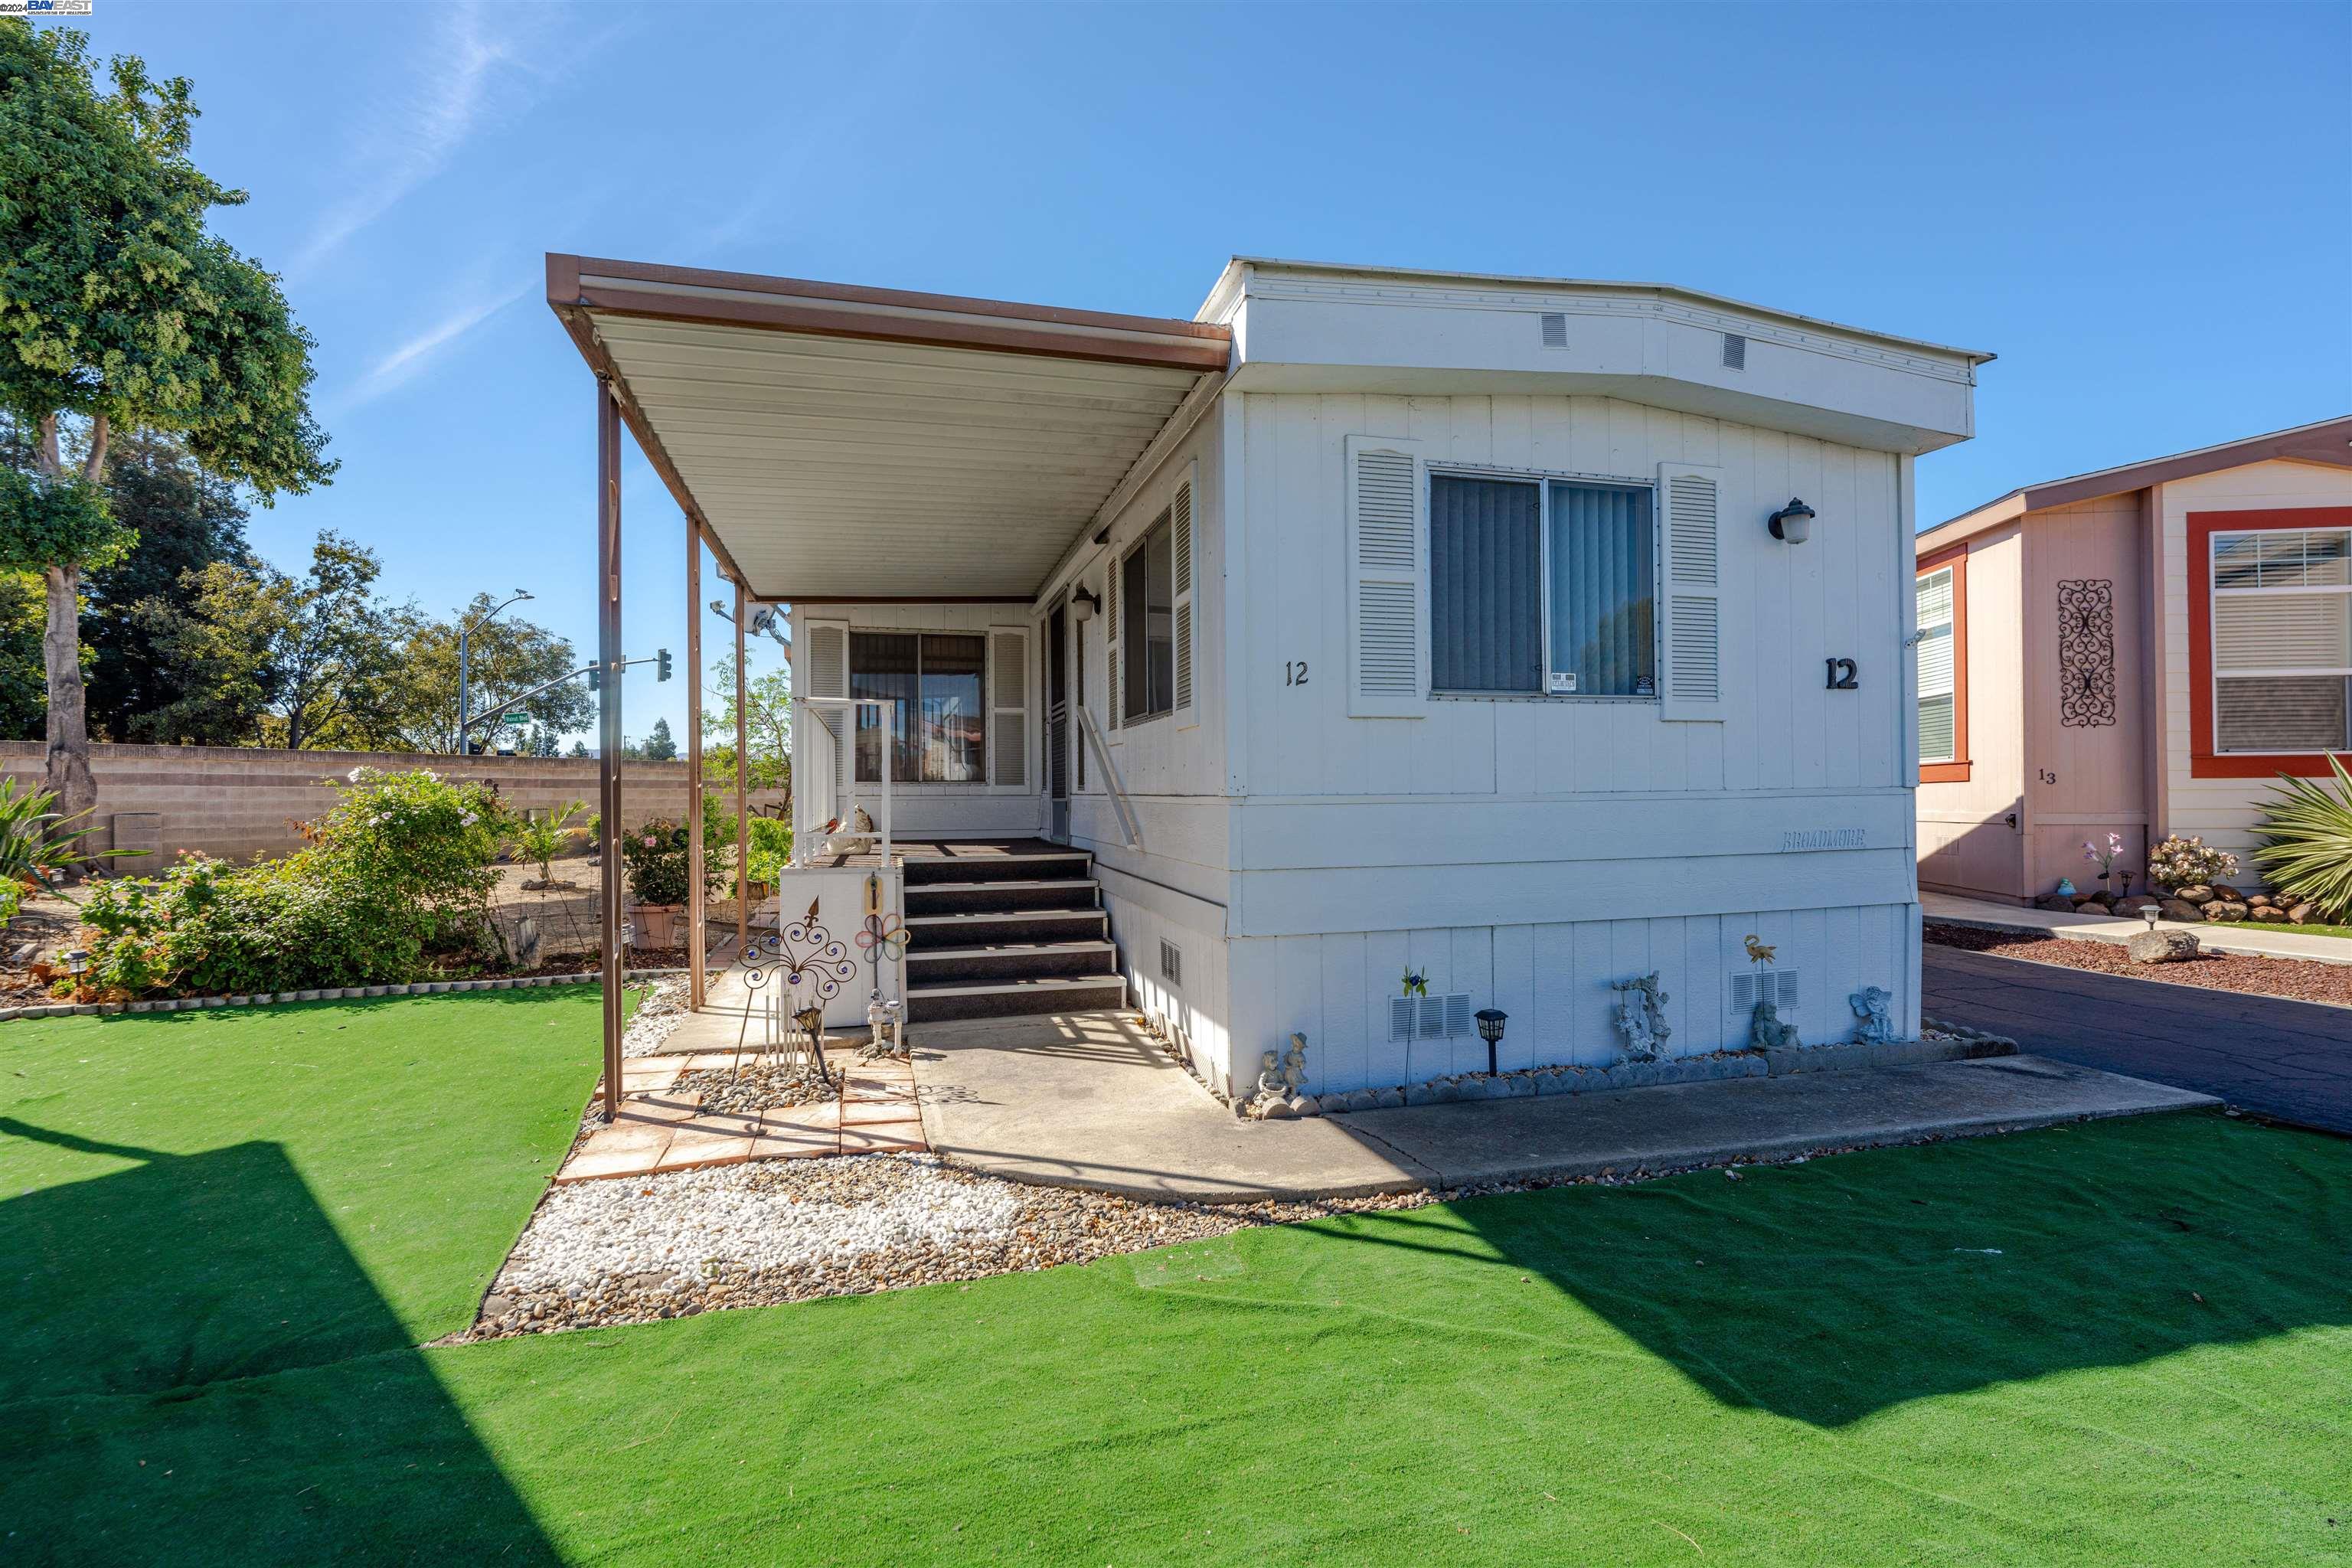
(504, 657)
(116, 305)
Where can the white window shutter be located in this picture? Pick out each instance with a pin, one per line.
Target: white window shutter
(828, 675)
(1179, 529)
(1008, 702)
(1110, 638)
(1691, 600)
(1388, 574)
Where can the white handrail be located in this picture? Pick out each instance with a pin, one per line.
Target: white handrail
(887, 708)
(1127, 825)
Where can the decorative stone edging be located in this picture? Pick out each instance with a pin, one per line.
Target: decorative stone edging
(327, 994)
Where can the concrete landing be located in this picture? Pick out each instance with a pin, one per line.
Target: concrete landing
(1087, 1100)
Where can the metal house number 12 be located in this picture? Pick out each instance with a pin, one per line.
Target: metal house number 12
(1844, 675)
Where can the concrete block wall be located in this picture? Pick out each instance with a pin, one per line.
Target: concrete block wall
(235, 804)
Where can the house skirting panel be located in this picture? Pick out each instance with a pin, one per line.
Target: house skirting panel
(1553, 980)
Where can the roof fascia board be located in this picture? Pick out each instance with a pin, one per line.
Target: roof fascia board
(2328, 442)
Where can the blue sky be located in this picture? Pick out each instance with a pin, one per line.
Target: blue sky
(2143, 210)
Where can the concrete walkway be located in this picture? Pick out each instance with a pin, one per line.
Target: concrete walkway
(1087, 1100)
(2237, 937)
(2288, 1059)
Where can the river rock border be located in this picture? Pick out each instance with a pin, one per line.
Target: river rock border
(327, 994)
(1939, 1042)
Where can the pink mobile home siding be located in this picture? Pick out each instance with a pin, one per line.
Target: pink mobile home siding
(1965, 842)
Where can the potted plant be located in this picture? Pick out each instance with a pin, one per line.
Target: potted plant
(655, 860)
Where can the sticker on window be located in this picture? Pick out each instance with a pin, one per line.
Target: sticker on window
(1563, 680)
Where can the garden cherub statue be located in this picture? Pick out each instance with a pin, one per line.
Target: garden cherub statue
(1870, 1005)
(1281, 1076)
(1767, 1032)
(1641, 1016)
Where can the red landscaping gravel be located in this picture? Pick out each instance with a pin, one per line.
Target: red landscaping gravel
(2297, 980)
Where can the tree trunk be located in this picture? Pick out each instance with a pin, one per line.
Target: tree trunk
(67, 772)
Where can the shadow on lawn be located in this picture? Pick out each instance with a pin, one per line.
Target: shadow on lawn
(1833, 1290)
(200, 1370)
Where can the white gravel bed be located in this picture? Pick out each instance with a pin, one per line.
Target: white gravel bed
(658, 1016)
(635, 1250)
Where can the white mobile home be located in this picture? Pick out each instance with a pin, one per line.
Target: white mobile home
(1373, 623)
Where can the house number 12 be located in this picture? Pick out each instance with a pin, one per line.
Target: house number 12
(1293, 673)
(1844, 674)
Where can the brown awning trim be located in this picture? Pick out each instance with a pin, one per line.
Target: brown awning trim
(888, 315)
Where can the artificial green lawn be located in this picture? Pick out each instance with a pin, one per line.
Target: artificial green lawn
(1983, 1351)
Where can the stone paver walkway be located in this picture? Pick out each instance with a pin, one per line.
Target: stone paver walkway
(2236, 937)
(662, 1129)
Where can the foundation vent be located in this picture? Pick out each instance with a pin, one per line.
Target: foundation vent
(1445, 1018)
(1172, 962)
(1777, 986)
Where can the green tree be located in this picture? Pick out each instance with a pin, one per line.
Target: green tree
(579, 749)
(659, 747)
(286, 662)
(767, 714)
(185, 519)
(24, 689)
(120, 312)
(504, 657)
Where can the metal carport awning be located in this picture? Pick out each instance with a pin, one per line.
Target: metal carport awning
(836, 443)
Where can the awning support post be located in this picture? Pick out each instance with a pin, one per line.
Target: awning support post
(742, 780)
(608, 747)
(697, 898)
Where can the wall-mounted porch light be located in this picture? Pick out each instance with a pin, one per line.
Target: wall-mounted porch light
(1792, 524)
(1490, 1029)
(1084, 604)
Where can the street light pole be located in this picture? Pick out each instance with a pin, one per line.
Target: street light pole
(465, 633)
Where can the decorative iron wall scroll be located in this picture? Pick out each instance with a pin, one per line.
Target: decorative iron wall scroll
(2086, 652)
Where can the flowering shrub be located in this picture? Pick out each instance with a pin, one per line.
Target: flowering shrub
(398, 871)
(654, 856)
(2181, 862)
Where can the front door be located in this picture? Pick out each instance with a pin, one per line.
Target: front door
(1058, 723)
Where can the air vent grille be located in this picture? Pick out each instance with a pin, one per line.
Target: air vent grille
(1555, 330)
(1172, 962)
(1735, 352)
(1445, 1018)
(1748, 987)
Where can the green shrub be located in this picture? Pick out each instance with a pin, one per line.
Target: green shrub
(397, 871)
(771, 848)
(654, 856)
(2306, 853)
(544, 838)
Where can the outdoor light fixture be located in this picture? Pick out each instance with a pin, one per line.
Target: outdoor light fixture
(2148, 913)
(1084, 604)
(1793, 522)
(77, 962)
(1490, 1029)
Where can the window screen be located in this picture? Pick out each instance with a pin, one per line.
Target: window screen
(1604, 603)
(2282, 607)
(939, 733)
(1937, 702)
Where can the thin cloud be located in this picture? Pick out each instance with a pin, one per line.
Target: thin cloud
(404, 363)
(471, 75)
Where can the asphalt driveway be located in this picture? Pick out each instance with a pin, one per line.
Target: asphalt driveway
(2291, 1060)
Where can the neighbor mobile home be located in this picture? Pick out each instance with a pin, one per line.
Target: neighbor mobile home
(1518, 635)
(2140, 651)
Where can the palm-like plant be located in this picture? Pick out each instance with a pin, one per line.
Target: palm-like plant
(38, 843)
(2306, 829)
(543, 838)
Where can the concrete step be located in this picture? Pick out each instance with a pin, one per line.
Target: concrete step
(1011, 999)
(977, 897)
(1008, 961)
(1060, 865)
(982, 927)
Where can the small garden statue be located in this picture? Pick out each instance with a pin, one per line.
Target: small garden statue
(1767, 1032)
(1281, 1079)
(1870, 1005)
(1642, 1017)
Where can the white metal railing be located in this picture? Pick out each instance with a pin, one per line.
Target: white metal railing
(1128, 824)
(822, 789)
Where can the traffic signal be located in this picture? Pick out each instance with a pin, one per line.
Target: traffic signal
(661, 664)
(596, 678)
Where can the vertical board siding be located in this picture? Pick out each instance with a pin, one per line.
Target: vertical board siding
(1553, 981)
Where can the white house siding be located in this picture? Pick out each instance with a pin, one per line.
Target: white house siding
(1496, 841)
(2221, 811)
